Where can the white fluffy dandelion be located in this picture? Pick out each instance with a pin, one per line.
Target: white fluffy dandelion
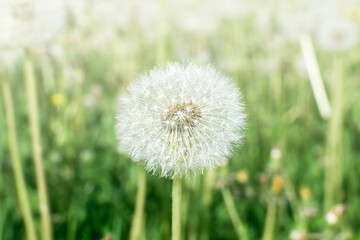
(179, 120)
(25, 23)
(338, 34)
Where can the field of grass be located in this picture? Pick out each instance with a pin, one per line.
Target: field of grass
(295, 175)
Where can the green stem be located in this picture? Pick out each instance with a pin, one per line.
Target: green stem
(270, 222)
(176, 209)
(137, 222)
(315, 76)
(209, 179)
(231, 208)
(161, 40)
(36, 146)
(333, 171)
(16, 165)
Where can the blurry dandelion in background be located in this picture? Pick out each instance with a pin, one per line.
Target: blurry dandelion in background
(179, 120)
(338, 34)
(25, 23)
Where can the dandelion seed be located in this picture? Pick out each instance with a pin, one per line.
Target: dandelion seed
(198, 119)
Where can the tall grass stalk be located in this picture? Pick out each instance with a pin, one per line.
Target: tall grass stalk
(161, 40)
(137, 222)
(190, 192)
(16, 164)
(270, 221)
(209, 180)
(333, 171)
(176, 209)
(315, 76)
(231, 209)
(31, 89)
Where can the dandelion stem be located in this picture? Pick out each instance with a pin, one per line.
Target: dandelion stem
(16, 164)
(137, 221)
(315, 76)
(161, 41)
(176, 209)
(333, 171)
(231, 208)
(270, 222)
(36, 145)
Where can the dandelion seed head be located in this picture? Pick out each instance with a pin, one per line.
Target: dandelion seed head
(295, 25)
(188, 122)
(338, 35)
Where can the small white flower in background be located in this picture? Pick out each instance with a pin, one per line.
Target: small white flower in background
(180, 120)
(337, 35)
(298, 235)
(25, 23)
(275, 153)
(332, 217)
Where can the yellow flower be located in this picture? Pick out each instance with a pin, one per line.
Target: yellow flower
(57, 99)
(242, 176)
(305, 193)
(277, 184)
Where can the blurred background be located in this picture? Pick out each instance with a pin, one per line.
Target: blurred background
(296, 174)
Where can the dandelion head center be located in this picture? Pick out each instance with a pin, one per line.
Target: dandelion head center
(23, 11)
(181, 117)
(339, 36)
